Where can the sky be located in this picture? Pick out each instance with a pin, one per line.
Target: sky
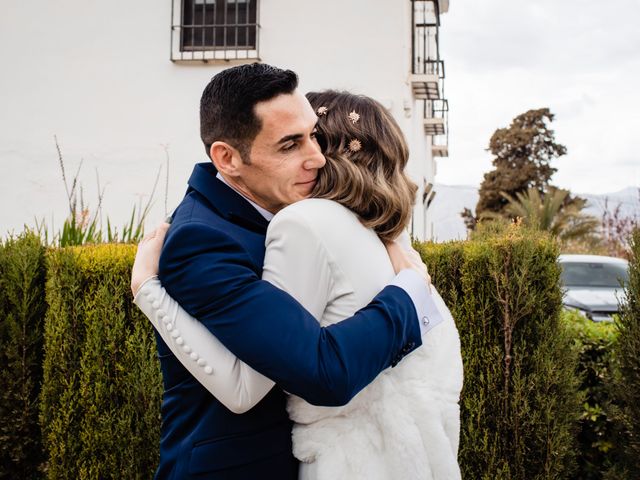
(580, 58)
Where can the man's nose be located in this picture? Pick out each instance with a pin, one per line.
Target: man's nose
(315, 158)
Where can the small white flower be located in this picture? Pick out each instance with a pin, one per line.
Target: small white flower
(322, 111)
(354, 117)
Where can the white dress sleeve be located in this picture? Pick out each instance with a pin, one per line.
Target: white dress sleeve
(234, 383)
(295, 261)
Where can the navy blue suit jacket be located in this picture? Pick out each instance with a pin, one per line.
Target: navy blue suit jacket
(211, 263)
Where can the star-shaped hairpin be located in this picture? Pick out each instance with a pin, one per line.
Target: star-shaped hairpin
(355, 145)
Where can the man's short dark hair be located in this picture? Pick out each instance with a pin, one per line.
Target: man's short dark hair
(227, 105)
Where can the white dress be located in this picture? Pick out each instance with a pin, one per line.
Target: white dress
(405, 424)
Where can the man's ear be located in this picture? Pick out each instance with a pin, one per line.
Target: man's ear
(225, 158)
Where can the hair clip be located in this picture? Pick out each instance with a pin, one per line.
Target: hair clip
(355, 145)
(354, 117)
(322, 111)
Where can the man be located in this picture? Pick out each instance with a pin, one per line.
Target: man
(259, 132)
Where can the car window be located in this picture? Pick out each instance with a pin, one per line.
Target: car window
(593, 274)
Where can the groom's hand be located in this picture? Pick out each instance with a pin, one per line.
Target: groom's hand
(147, 259)
(402, 259)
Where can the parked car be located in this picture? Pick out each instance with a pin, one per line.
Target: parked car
(593, 284)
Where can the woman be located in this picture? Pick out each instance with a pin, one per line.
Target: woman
(405, 424)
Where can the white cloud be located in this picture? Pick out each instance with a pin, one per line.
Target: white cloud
(578, 57)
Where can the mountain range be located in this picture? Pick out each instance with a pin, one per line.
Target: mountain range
(450, 200)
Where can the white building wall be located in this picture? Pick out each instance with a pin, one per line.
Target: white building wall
(98, 76)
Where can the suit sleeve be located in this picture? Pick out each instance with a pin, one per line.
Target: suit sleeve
(213, 277)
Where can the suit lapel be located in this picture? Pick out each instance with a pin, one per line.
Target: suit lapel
(226, 201)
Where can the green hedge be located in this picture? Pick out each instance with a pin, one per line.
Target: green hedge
(626, 384)
(523, 411)
(520, 399)
(598, 435)
(100, 400)
(22, 307)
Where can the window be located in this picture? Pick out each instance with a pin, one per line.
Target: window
(214, 30)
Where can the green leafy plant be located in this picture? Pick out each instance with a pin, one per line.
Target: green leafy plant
(597, 435)
(83, 227)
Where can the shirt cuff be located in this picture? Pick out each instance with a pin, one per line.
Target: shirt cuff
(421, 296)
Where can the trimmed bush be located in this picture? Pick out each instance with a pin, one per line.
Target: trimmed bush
(626, 365)
(520, 399)
(521, 402)
(597, 435)
(22, 310)
(100, 402)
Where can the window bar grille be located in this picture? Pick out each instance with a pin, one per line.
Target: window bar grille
(203, 30)
(215, 24)
(225, 29)
(257, 37)
(193, 28)
(172, 31)
(235, 29)
(246, 28)
(214, 30)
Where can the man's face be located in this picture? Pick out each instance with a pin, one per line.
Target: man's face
(285, 156)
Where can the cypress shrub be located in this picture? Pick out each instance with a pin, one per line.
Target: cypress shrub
(520, 398)
(22, 309)
(597, 435)
(100, 402)
(625, 390)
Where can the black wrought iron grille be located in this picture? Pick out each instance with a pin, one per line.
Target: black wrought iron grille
(230, 26)
(425, 16)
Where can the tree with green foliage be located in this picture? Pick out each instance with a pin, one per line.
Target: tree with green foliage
(522, 159)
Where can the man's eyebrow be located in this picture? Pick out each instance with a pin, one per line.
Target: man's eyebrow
(287, 138)
(293, 136)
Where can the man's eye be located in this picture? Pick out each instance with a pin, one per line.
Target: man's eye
(288, 147)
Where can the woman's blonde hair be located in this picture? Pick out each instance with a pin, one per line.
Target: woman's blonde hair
(366, 155)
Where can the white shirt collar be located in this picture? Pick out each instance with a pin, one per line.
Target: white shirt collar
(265, 213)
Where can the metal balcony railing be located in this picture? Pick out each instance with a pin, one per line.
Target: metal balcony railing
(440, 144)
(427, 69)
(436, 113)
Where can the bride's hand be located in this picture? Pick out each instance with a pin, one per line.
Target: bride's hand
(147, 259)
(402, 259)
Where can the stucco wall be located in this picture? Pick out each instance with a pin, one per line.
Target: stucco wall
(98, 75)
